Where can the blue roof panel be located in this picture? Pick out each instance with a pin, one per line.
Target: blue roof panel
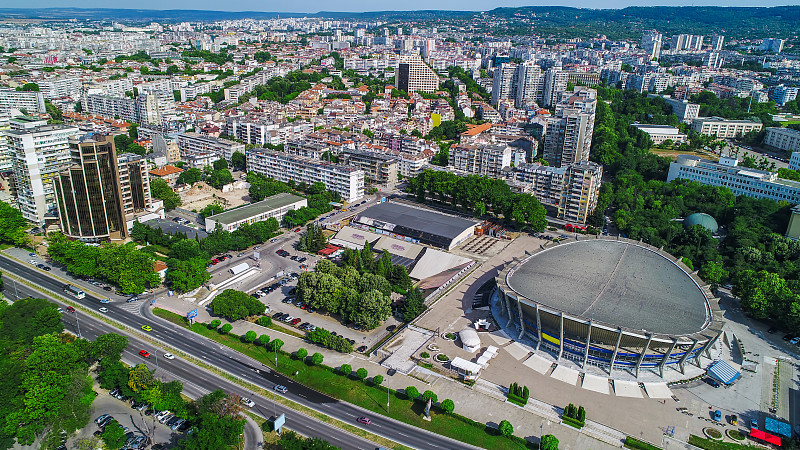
(723, 372)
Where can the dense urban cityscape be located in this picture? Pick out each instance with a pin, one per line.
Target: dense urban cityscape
(530, 227)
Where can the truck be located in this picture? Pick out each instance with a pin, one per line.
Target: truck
(239, 268)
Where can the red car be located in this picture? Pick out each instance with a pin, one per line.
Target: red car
(364, 420)
(70, 309)
(296, 321)
(297, 230)
(144, 353)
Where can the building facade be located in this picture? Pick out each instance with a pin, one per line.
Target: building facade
(275, 206)
(412, 75)
(194, 144)
(379, 168)
(28, 101)
(785, 139)
(569, 134)
(741, 181)
(724, 128)
(480, 159)
(347, 181)
(39, 152)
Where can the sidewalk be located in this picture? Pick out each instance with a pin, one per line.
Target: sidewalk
(530, 422)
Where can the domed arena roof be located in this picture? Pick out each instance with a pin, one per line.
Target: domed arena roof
(703, 219)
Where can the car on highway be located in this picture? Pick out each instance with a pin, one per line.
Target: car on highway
(795, 340)
(147, 328)
(273, 240)
(169, 356)
(144, 353)
(103, 309)
(247, 402)
(364, 420)
(132, 299)
(105, 300)
(281, 388)
(70, 309)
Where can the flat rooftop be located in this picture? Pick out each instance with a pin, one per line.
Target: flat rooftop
(417, 219)
(616, 283)
(268, 204)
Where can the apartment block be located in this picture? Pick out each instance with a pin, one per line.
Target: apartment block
(569, 192)
(39, 152)
(380, 168)
(785, 139)
(412, 75)
(660, 133)
(28, 101)
(741, 181)
(60, 87)
(569, 134)
(195, 144)
(480, 159)
(504, 82)
(346, 180)
(724, 128)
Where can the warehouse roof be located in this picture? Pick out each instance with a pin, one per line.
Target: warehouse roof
(268, 204)
(390, 215)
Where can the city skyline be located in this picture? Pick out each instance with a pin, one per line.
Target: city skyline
(313, 6)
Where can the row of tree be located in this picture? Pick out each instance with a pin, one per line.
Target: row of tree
(364, 261)
(123, 265)
(479, 195)
(12, 225)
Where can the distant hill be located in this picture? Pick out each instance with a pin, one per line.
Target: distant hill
(779, 21)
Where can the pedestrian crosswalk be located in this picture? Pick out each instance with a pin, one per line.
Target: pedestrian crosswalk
(132, 307)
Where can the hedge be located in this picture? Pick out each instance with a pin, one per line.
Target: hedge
(636, 444)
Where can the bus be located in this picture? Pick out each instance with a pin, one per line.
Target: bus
(74, 291)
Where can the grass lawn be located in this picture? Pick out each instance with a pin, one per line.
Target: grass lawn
(323, 379)
(709, 444)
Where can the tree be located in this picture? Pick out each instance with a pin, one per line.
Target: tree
(12, 225)
(713, 273)
(114, 435)
(184, 276)
(413, 305)
(263, 340)
(429, 395)
(447, 406)
(220, 164)
(346, 369)
(301, 353)
(215, 324)
(161, 190)
(108, 345)
(361, 373)
(505, 428)
(548, 442)
(317, 358)
(412, 392)
(186, 249)
(276, 344)
(219, 178)
(250, 336)
(211, 209)
(234, 305)
(374, 308)
(238, 161)
(190, 176)
(377, 380)
(226, 328)
(30, 87)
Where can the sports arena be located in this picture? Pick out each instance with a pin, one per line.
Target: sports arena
(610, 302)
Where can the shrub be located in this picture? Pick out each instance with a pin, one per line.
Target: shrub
(301, 353)
(450, 336)
(377, 380)
(429, 395)
(632, 442)
(346, 369)
(425, 355)
(214, 324)
(361, 373)
(276, 344)
(442, 357)
(548, 442)
(317, 358)
(324, 338)
(263, 340)
(505, 428)
(525, 392)
(581, 414)
(250, 336)
(412, 392)
(447, 406)
(264, 321)
(226, 328)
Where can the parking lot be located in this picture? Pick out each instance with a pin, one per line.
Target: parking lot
(138, 423)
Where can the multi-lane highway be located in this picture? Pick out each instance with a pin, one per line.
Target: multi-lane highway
(198, 380)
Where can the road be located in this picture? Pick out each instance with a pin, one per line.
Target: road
(232, 362)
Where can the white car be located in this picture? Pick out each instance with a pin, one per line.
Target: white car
(103, 309)
(33, 261)
(169, 356)
(282, 389)
(247, 402)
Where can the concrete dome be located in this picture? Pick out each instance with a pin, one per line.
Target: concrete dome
(470, 340)
(703, 219)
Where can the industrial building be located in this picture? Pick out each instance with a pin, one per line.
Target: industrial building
(275, 206)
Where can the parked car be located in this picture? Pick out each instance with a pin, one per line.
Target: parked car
(718, 415)
(362, 349)
(734, 419)
(101, 418)
(296, 321)
(712, 382)
(754, 423)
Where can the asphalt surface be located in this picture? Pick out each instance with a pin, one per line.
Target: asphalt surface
(231, 362)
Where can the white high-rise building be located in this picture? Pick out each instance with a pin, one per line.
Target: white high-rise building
(651, 43)
(503, 82)
(29, 101)
(39, 151)
(412, 74)
(555, 82)
(687, 42)
(569, 133)
(717, 41)
(772, 45)
(530, 84)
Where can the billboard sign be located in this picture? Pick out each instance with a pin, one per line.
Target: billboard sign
(280, 421)
(191, 314)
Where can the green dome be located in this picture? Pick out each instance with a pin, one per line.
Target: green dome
(703, 219)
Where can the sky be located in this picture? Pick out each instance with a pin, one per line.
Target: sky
(373, 5)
